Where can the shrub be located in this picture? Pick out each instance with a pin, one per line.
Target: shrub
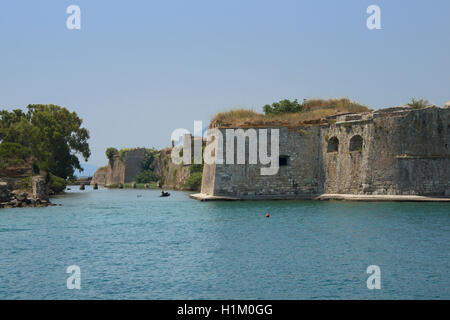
(284, 106)
(194, 181)
(418, 104)
(56, 184)
(146, 176)
(111, 152)
(122, 153)
(302, 132)
(24, 183)
(197, 168)
(149, 161)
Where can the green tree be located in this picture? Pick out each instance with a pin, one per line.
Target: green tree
(12, 153)
(56, 184)
(111, 152)
(149, 160)
(52, 133)
(146, 176)
(284, 106)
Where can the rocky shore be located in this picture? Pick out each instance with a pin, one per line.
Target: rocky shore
(20, 198)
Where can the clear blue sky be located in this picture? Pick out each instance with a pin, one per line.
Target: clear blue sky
(139, 69)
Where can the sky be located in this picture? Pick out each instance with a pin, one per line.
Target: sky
(137, 70)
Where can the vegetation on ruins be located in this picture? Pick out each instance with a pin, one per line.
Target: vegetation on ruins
(194, 181)
(111, 153)
(151, 155)
(148, 166)
(287, 113)
(146, 176)
(23, 184)
(48, 136)
(56, 184)
(418, 103)
(284, 106)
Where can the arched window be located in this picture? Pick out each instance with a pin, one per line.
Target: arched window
(356, 143)
(333, 145)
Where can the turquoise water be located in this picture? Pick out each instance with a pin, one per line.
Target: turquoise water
(148, 247)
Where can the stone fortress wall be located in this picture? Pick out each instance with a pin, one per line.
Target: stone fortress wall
(123, 170)
(395, 151)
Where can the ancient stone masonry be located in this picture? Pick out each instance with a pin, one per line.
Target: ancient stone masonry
(20, 188)
(19, 198)
(395, 151)
(122, 169)
(40, 188)
(99, 177)
(299, 178)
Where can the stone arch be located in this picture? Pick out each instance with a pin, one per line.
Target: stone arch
(356, 143)
(333, 144)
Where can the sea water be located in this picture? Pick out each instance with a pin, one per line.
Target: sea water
(133, 244)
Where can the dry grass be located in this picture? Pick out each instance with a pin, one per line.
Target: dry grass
(314, 111)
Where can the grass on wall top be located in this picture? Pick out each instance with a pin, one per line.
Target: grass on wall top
(314, 109)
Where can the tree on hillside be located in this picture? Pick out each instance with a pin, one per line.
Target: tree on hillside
(52, 133)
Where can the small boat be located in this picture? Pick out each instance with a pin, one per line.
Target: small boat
(164, 194)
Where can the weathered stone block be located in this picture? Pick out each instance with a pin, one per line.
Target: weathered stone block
(40, 188)
(396, 151)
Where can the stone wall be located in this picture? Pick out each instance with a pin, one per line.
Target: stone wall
(173, 176)
(123, 169)
(396, 151)
(11, 175)
(404, 152)
(99, 177)
(40, 188)
(20, 198)
(115, 172)
(300, 178)
(133, 163)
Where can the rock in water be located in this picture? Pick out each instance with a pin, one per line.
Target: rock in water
(82, 186)
(95, 186)
(133, 185)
